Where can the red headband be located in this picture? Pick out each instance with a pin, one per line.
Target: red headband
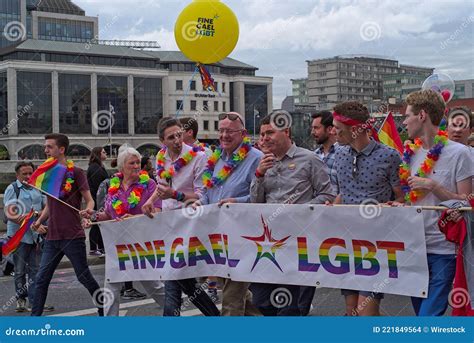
(354, 122)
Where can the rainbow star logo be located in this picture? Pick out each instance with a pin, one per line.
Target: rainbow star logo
(267, 245)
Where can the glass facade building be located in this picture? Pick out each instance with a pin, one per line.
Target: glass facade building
(75, 104)
(10, 22)
(65, 30)
(148, 98)
(112, 96)
(34, 90)
(255, 101)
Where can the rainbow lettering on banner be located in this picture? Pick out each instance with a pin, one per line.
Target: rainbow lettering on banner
(122, 257)
(369, 256)
(392, 248)
(303, 264)
(231, 262)
(150, 254)
(342, 258)
(195, 246)
(180, 262)
(49, 177)
(217, 248)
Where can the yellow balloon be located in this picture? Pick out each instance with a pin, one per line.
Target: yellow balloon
(206, 31)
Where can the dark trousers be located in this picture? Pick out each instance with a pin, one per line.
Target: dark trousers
(276, 300)
(95, 238)
(53, 252)
(306, 298)
(196, 294)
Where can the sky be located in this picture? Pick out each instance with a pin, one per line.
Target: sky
(278, 37)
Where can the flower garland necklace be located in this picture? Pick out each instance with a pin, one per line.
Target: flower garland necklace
(441, 140)
(175, 166)
(135, 195)
(209, 180)
(67, 186)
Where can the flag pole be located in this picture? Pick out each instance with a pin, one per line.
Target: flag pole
(381, 126)
(52, 196)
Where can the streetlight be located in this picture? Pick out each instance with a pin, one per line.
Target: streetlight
(256, 114)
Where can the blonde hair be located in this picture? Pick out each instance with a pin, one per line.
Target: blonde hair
(124, 154)
(429, 101)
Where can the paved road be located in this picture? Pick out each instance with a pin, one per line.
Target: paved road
(71, 299)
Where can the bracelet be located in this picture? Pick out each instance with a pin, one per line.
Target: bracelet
(180, 196)
(258, 174)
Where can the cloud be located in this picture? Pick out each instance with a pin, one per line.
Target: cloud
(279, 36)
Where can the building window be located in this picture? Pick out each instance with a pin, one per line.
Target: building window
(224, 107)
(148, 104)
(179, 105)
(3, 103)
(112, 95)
(205, 105)
(223, 87)
(216, 125)
(34, 94)
(75, 104)
(216, 86)
(179, 85)
(193, 85)
(206, 125)
(193, 105)
(216, 106)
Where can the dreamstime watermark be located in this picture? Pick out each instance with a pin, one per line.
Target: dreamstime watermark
(190, 210)
(202, 288)
(455, 214)
(378, 288)
(189, 31)
(14, 208)
(46, 331)
(465, 23)
(370, 209)
(104, 29)
(281, 297)
(370, 30)
(103, 120)
(14, 31)
(10, 302)
(103, 297)
(459, 297)
(22, 110)
(280, 209)
(281, 120)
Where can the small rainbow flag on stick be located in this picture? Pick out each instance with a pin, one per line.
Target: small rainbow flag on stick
(49, 177)
(14, 242)
(388, 134)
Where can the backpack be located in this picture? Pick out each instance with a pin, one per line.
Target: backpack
(17, 193)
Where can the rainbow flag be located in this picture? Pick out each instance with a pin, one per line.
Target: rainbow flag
(388, 134)
(49, 177)
(15, 240)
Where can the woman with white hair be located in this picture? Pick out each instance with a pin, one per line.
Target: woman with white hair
(129, 189)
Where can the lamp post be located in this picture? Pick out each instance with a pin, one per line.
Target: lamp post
(256, 114)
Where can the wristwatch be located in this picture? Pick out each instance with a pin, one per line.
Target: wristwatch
(94, 217)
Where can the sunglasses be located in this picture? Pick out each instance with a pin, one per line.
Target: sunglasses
(230, 116)
(354, 167)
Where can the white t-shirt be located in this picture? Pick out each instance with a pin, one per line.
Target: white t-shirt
(455, 164)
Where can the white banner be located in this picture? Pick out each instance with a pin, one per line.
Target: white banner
(362, 248)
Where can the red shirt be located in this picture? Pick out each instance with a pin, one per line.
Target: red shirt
(64, 222)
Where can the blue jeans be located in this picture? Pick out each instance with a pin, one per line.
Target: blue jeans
(442, 269)
(26, 261)
(53, 252)
(197, 295)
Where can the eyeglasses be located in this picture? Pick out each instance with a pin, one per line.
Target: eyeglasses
(229, 132)
(231, 116)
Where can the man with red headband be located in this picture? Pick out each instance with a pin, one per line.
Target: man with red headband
(367, 173)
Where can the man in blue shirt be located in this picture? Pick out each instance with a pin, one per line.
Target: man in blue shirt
(18, 200)
(237, 299)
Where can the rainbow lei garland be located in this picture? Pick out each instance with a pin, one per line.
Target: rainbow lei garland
(67, 187)
(134, 197)
(177, 165)
(441, 140)
(209, 180)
